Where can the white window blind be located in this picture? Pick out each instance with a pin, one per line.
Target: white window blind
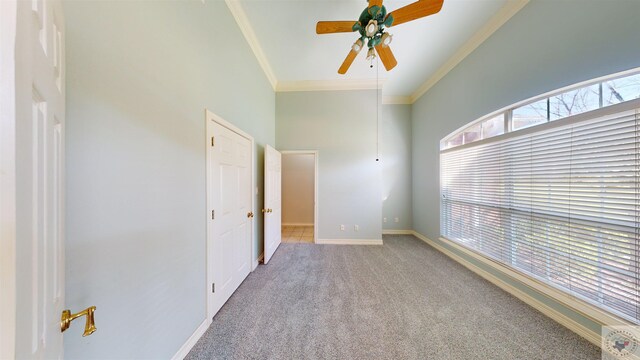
(561, 204)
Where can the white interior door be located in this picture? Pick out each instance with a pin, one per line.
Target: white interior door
(272, 202)
(40, 114)
(7, 180)
(230, 228)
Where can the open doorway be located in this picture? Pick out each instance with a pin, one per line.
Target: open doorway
(299, 196)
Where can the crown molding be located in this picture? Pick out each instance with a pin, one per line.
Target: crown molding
(328, 85)
(396, 100)
(245, 26)
(500, 18)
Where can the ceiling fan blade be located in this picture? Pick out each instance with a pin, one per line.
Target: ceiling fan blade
(329, 27)
(377, 3)
(386, 56)
(375, 6)
(415, 10)
(347, 62)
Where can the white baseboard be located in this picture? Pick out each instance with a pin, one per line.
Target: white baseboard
(257, 261)
(594, 338)
(349, 241)
(297, 224)
(192, 340)
(397, 232)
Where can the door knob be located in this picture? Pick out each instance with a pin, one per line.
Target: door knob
(264, 211)
(250, 214)
(270, 210)
(89, 326)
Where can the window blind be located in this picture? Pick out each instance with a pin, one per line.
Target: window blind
(561, 204)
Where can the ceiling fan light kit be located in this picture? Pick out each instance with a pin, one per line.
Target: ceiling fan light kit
(371, 26)
(372, 29)
(386, 39)
(357, 46)
(371, 55)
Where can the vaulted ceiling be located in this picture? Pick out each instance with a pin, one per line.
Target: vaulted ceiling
(282, 34)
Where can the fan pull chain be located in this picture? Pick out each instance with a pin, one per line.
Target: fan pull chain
(377, 112)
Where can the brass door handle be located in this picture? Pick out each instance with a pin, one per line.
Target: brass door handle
(89, 326)
(250, 214)
(270, 210)
(264, 211)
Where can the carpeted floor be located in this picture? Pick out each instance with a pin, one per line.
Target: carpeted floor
(402, 300)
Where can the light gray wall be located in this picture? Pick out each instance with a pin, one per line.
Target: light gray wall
(341, 125)
(546, 46)
(139, 76)
(395, 145)
(298, 177)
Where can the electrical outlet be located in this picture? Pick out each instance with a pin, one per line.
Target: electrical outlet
(384, 220)
(342, 227)
(397, 220)
(356, 228)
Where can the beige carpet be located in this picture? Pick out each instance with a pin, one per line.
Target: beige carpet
(402, 300)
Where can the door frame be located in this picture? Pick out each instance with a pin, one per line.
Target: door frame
(315, 185)
(209, 118)
(8, 13)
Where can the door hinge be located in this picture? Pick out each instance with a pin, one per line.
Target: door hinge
(213, 141)
(213, 287)
(213, 214)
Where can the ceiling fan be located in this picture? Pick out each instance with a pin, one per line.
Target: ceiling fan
(371, 26)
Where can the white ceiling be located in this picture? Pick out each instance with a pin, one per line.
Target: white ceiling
(285, 30)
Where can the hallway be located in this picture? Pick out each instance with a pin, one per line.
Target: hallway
(297, 234)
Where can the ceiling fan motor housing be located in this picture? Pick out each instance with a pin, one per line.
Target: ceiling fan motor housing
(376, 16)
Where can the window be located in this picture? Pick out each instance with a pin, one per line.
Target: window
(560, 204)
(574, 102)
(540, 110)
(456, 140)
(473, 133)
(479, 130)
(620, 90)
(493, 127)
(530, 115)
